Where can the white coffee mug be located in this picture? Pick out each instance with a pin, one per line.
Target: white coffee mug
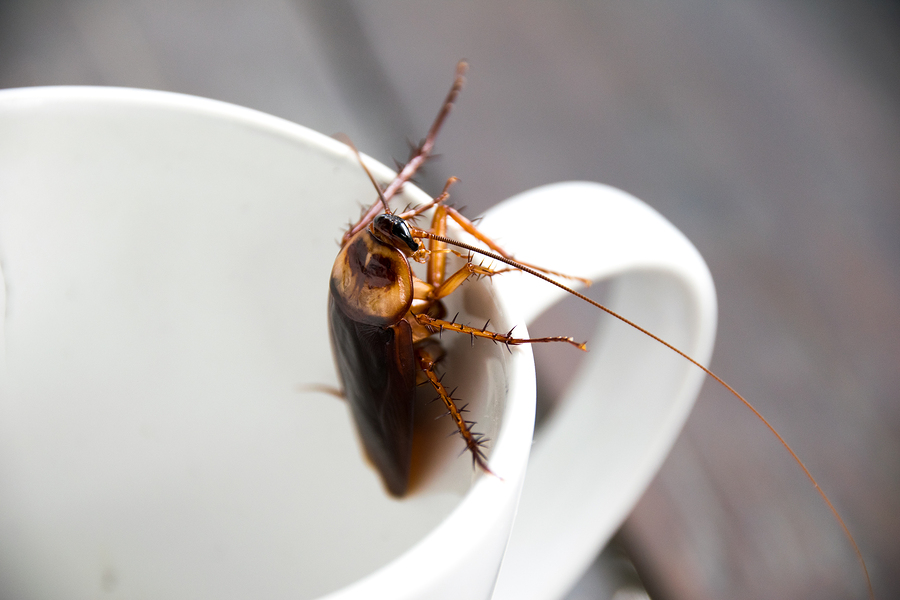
(165, 262)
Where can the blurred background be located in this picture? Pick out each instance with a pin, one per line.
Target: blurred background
(767, 131)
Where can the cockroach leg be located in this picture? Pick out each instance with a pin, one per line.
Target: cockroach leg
(438, 264)
(323, 389)
(412, 213)
(421, 154)
(449, 285)
(438, 230)
(474, 441)
(503, 338)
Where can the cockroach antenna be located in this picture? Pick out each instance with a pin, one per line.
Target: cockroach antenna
(707, 371)
(346, 140)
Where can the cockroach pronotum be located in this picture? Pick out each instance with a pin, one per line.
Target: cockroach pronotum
(383, 319)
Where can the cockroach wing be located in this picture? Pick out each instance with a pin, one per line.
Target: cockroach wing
(377, 367)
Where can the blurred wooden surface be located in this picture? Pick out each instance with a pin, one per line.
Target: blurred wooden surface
(768, 132)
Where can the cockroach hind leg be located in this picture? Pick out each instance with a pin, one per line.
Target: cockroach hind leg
(474, 441)
(479, 459)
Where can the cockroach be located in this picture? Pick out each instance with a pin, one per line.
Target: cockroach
(383, 319)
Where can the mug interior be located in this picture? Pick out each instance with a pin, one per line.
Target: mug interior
(165, 263)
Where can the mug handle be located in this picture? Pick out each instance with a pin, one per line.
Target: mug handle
(622, 412)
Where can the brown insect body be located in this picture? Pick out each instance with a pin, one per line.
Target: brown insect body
(383, 319)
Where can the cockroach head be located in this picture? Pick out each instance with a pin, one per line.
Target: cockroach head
(394, 231)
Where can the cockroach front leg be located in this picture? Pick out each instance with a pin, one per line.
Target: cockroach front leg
(439, 325)
(427, 358)
(437, 247)
(449, 285)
